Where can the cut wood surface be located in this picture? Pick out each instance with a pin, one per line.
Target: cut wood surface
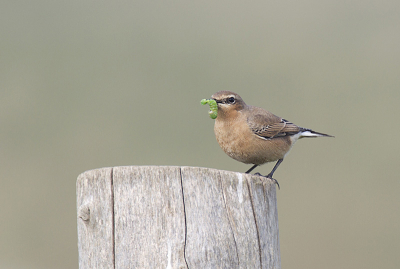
(176, 217)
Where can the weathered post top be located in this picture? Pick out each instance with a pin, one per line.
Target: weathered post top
(176, 217)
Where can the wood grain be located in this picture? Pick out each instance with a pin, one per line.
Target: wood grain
(176, 217)
(95, 219)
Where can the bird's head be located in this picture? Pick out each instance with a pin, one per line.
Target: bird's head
(229, 103)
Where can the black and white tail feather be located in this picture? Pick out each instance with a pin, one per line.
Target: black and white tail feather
(310, 133)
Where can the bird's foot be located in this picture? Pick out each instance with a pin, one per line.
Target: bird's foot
(270, 177)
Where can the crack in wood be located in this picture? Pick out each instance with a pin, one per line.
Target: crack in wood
(184, 215)
(113, 215)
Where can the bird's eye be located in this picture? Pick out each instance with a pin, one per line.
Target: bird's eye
(231, 100)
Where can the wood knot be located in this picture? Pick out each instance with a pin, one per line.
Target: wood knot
(84, 212)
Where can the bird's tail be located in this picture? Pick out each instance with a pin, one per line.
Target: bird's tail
(311, 133)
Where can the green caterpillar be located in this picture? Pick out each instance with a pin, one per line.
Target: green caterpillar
(213, 107)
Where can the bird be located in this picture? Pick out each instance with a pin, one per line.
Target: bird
(253, 135)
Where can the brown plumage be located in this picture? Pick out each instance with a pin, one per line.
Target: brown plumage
(253, 135)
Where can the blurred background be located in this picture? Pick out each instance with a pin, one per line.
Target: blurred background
(90, 84)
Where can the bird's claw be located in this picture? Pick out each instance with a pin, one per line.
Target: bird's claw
(269, 177)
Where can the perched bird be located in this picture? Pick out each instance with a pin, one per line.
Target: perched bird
(253, 135)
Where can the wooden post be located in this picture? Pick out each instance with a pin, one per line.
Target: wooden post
(176, 217)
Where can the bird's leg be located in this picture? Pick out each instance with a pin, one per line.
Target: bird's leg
(272, 173)
(251, 169)
(273, 169)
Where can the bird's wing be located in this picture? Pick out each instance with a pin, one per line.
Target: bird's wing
(271, 126)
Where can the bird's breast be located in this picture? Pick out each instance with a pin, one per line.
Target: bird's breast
(240, 143)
